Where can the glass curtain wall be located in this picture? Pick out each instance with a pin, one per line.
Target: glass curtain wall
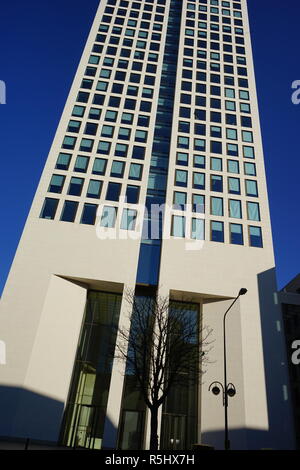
(86, 408)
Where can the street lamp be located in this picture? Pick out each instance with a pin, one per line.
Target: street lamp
(228, 390)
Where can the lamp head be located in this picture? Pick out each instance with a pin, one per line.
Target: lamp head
(243, 291)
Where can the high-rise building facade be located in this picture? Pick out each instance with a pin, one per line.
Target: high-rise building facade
(162, 112)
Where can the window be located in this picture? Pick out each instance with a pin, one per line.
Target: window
(69, 142)
(250, 169)
(121, 150)
(63, 161)
(251, 188)
(216, 164)
(232, 150)
(135, 171)
(113, 191)
(108, 218)
(217, 231)
(231, 134)
(178, 226)
(138, 152)
(234, 186)
(216, 206)
(199, 180)
(182, 159)
(69, 211)
(49, 208)
(88, 215)
(216, 147)
(107, 131)
(94, 113)
(253, 211)
(124, 133)
(117, 169)
(78, 111)
(75, 186)
(141, 136)
(128, 220)
(181, 177)
(233, 166)
(248, 152)
(99, 166)
(255, 237)
(81, 164)
(198, 229)
(86, 145)
(215, 131)
(179, 200)
(104, 147)
(183, 142)
(199, 145)
(199, 161)
(198, 203)
(216, 183)
(247, 136)
(94, 189)
(235, 209)
(236, 234)
(132, 194)
(56, 184)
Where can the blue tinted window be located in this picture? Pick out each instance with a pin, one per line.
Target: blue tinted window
(49, 208)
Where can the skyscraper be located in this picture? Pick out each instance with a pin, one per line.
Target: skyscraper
(162, 113)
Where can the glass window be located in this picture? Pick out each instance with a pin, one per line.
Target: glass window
(250, 169)
(199, 180)
(138, 152)
(233, 166)
(121, 150)
(181, 178)
(117, 169)
(247, 136)
(253, 211)
(69, 142)
(56, 184)
(75, 186)
(232, 150)
(69, 211)
(94, 113)
(216, 164)
(251, 188)
(49, 208)
(107, 131)
(132, 194)
(63, 161)
(99, 166)
(199, 161)
(255, 237)
(216, 207)
(234, 185)
(86, 145)
(182, 159)
(135, 171)
(94, 189)
(178, 226)
(236, 234)
(216, 183)
(183, 142)
(78, 111)
(248, 152)
(128, 220)
(235, 209)
(89, 213)
(179, 200)
(217, 231)
(81, 164)
(198, 203)
(108, 218)
(124, 133)
(198, 229)
(199, 144)
(231, 134)
(113, 191)
(104, 147)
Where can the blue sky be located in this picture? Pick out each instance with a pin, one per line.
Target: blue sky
(41, 44)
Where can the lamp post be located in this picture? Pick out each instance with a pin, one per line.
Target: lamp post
(228, 390)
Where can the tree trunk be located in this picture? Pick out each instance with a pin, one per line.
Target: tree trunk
(153, 428)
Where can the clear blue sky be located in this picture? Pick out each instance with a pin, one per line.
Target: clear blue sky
(40, 47)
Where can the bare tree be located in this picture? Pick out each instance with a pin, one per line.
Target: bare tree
(162, 347)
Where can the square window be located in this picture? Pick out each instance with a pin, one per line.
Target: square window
(94, 189)
(132, 194)
(75, 187)
(49, 208)
(113, 191)
(69, 211)
(56, 184)
(99, 166)
(128, 220)
(217, 231)
(236, 234)
(88, 215)
(135, 171)
(63, 161)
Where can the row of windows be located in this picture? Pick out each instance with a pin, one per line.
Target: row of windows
(129, 216)
(114, 101)
(216, 183)
(236, 236)
(216, 206)
(217, 146)
(186, 127)
(95, 186)
(87, 145)
(216, 164)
